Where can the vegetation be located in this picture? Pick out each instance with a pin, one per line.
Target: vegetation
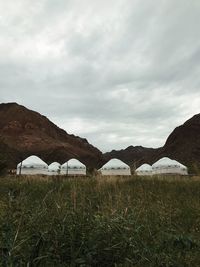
(3, 165)
(99, 222)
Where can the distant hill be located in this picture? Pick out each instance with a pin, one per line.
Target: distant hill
(24, 132)
(134, 155)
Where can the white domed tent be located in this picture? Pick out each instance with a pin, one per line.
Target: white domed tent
(115, 167)
(144, 169)
(32, 165)
(73, 167)
(54, 168)
(168, 166)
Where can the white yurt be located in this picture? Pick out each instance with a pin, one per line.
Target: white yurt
(73, 167)
(54, 168)
(115, 167)
(169, 166)
(32, 165)
(144, 169)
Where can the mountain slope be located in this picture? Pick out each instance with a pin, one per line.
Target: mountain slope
(24, 132)
(134, 156)
(183, 144)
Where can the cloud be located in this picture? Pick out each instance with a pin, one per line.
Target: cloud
(117, 72)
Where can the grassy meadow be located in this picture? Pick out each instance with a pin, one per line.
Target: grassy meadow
(116, 221)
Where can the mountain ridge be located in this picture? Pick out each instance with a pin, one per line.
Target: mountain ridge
(183, 144)
(24, 132)
(27, 132)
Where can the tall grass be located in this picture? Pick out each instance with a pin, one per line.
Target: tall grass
(99, 222)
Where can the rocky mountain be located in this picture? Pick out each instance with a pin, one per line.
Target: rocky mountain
(24, 132)
(134, 155)
(183, 144)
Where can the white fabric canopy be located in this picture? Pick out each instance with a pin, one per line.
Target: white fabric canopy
(73, 164)
(32, 165)
(169, 166)
(144, 169)
(73, 167)
(115, 167)
(54, 167)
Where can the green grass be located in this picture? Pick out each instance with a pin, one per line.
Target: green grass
(99, 222)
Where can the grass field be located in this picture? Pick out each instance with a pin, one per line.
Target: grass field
(100, 222)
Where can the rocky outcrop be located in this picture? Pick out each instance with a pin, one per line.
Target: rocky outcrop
(24, 132)
(183, 144)
(134, 156)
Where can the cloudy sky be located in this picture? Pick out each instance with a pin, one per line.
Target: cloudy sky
(118, 72)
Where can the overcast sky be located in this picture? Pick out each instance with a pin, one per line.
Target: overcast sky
(118, 72)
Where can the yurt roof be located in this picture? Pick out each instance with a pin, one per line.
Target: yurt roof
(54, 165)
(144, 167)
(167, 161)
(72, 163)
(115, 163)
(33, 160)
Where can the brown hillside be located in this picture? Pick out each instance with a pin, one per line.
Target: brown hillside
(134, 156)
(24, 132)
(183, 144)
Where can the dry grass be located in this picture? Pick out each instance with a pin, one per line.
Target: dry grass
(109, 221)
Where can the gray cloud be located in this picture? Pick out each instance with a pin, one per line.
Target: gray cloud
(116, 72)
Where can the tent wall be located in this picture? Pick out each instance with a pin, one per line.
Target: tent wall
(169, 170)
(143, 173)
(73, 171)
(32, 171)
(126, 171)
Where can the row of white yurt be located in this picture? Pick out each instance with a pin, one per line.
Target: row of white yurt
(163, 166)
(115, 167)
(34, 165)
(71, 167)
